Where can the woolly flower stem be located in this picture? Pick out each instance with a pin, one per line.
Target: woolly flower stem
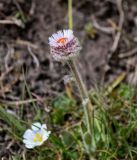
(88, 108)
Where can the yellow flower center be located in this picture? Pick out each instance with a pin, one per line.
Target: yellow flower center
(62, 40)
(38, 138)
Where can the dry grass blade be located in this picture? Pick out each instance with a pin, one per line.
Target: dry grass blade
(12, 21)
(128, 54)
(17, 103)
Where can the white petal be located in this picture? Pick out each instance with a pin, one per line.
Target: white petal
(51, 39)
(39, 143)
(27, 141)
(56, 36)
(28, 134)
(60, 34)
(54, 44)
(46, 135)
(44, 126)
(29, 146)
(65, 33)
(68, 33)
(36, 126)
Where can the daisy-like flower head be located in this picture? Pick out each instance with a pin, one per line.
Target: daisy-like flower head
(36, 135)
(64, 45)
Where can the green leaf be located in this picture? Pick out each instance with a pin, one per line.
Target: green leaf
(11, 120)
(61, 106)
(68, 139)
(88, 138)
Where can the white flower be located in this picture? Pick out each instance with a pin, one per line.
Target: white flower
(64, 45)
(36, 135)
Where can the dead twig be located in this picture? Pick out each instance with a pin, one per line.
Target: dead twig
(128, 54)
(7, 57)
(24, 155)
(133, 77)
(14, 21)
(26, 43)
(32, 8)
(1, 80)
(132, 70)
(18, 6)
(128, 37)
(120, 25)
(5, 73)
(36, 61)
(107, 30)
(17, 103)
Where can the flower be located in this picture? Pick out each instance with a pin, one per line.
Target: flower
(36, 135)
(64, 45)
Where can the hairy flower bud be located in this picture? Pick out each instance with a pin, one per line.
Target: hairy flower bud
(64, 45)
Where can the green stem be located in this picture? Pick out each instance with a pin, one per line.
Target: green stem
(70, 17)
